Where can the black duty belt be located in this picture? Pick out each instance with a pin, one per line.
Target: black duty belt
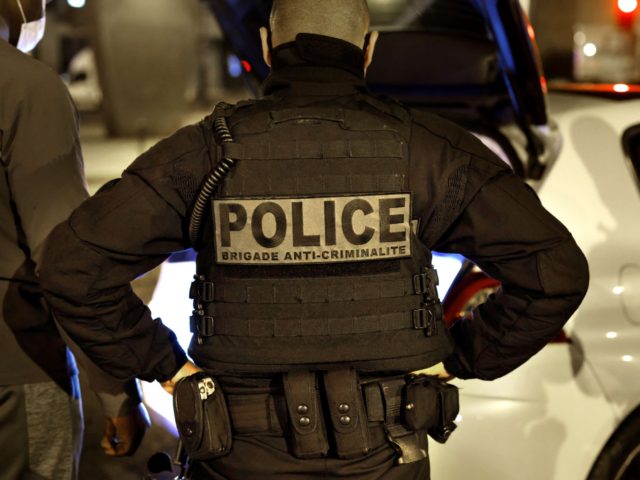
(381, 399)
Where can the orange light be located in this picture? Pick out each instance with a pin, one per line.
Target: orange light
(627, 6)
(532, 33)
(543, 83)
(621, 88)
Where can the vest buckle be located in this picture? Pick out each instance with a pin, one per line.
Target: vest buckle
(424, 319)
(206, 326)
(203, 325)
(420, 285)
(202, 291)
(426, 282)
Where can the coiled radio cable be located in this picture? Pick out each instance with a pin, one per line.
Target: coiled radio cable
(224, 166)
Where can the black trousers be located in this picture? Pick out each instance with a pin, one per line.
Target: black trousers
(266, 457)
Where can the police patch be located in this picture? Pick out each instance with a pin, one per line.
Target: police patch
(295, 230)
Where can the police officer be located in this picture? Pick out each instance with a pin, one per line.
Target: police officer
(314, 212)
(41, 182)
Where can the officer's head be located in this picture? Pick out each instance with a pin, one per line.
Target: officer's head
(344, 19)
(22, 22)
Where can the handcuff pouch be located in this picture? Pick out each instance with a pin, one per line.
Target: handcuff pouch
(202, 417)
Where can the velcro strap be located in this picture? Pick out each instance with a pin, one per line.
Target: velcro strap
(348, 417)
(309, 439)
(375, 148)
(374, 401)
(406, 441)
(254, 414)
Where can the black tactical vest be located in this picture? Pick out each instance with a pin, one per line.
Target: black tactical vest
(307, 254)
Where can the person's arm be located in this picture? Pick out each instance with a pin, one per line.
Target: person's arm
(506, 231)
(481, 210)
(122, 232)
(46, 177)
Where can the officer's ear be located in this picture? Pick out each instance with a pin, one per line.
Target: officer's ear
(370, 48)
(266, 45)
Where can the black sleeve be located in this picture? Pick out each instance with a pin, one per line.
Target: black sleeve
(506, 231)
(125, 230)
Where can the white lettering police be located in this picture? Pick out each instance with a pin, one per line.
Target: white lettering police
(297, 230)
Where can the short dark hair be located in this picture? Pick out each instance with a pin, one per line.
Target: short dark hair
(344, 19)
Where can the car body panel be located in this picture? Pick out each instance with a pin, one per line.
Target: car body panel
(552, 417)
(529, 425)
(593, 190)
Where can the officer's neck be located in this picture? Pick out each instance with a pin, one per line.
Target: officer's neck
(315, 59)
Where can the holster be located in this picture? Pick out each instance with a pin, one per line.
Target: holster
(431, 404)
(404, 439)
(202, 417)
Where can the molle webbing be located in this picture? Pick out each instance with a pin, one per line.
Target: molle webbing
(266, 319)
(311, 307)
(313, 290)
(309, 149)
(323, 326)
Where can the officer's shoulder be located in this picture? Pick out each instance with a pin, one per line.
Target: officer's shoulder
(187, 141)
(454, 137)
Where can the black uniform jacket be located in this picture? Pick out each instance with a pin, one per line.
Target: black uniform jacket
(471, 203)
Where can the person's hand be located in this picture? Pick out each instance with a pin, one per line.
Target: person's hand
(436, 370)
(122, 435)
(186, 370)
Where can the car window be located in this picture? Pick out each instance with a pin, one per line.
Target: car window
(589, 41)
(451, 16)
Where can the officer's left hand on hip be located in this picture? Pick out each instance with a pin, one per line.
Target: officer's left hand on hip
(187, 369)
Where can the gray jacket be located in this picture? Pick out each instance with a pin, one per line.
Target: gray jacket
(41, 182)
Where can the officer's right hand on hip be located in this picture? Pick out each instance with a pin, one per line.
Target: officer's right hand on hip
(187, 369)
(437, 370)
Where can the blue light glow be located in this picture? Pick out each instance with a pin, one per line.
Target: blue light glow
(234, 66)
(447, 266)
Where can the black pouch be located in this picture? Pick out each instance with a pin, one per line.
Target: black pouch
(202, 417)
(432, 405)
(348, 416)
(308, 436)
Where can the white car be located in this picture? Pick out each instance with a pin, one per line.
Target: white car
(572, 411)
